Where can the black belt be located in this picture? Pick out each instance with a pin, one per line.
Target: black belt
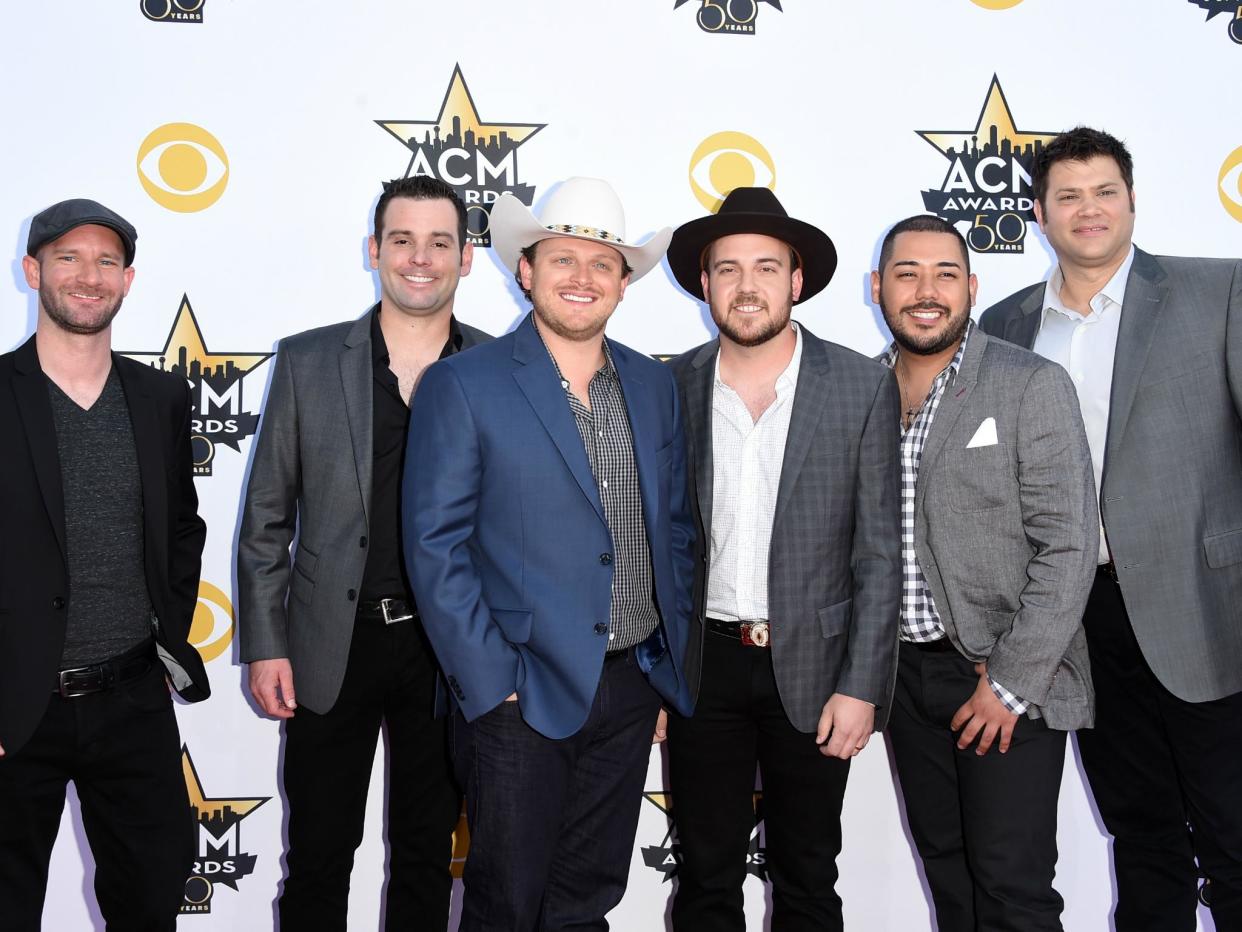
(97, 677)
(389, 611)
(750, 633)
(939, 646)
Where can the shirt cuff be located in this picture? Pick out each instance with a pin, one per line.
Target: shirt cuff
(1011, 702)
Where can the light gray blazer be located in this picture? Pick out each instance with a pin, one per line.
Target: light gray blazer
(1171, 493)
(311, 473)
(834, 563)
(1006, 532)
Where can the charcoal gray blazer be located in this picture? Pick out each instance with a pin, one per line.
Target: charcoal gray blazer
(834, 564)
(1006, 532)
(1171, 492)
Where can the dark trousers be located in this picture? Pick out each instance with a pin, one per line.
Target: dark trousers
(390, 679)
(739, 722)
(122, 751)
(1156, 763)
(552, 822)
(985, 827)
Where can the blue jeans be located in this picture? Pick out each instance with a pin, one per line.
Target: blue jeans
(552, 822)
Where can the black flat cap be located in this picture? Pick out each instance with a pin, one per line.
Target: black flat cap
(57, 220)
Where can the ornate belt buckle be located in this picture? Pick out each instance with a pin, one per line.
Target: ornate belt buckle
(755, 634)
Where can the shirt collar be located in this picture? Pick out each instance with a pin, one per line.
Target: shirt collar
(889, 356)
(787, 381)
(1113, 292)
(379, 346)
(608, 370)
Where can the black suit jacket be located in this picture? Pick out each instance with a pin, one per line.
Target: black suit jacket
(34, 575)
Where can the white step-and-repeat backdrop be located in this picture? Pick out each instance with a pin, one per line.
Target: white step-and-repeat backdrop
(247, 142)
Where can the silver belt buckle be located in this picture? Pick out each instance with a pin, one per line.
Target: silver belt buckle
(755, 633)
(390, 619)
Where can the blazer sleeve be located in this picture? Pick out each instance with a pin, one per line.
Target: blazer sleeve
(269, 519)
(1056, 488)
(876, 559)
(441, 490)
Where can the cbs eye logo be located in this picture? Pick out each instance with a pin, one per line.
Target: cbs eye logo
(728, 160)
(1229, 184)
(211, 631)
(996, 4)
(183, 167)
(172, 11)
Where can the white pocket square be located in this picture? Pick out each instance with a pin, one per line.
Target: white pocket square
(985, 436)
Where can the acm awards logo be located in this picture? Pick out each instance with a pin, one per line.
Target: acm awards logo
(183, 167)
(988, 184)
(666, 856)
(211, 629)
(1229, 184)
(219, 857)
(478, 159)
(173, 11)
(220, 417)
(1231, 7)
(729, 17)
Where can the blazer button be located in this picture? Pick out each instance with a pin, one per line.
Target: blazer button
(605, 559)
(58, 602)
(362, 542)
(351, 595)
(601, 628)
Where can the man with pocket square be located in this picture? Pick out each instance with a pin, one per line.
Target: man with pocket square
(998, 555)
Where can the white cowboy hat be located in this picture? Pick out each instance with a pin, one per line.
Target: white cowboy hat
(580, 208)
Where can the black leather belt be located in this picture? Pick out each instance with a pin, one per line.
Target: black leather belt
(389, 611)
(939, 646)
(97, 677)
(750, 633)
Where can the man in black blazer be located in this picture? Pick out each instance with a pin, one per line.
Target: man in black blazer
(100, 542)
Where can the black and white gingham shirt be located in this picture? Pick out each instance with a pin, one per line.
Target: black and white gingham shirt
(605, 431)
(920, 622)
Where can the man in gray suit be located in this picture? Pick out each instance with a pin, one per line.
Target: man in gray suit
(328, 463)
(794, 485)
(1154, 346)
(998, 552)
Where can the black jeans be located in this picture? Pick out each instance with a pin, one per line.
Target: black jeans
(122, 750)
(985, 827)
(552, 822)
(390, 679)
(739, 722)
(1156, 763)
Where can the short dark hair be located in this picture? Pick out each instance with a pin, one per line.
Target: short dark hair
(420, 188)
(528, 253)
(1078, 145)
(921, 223)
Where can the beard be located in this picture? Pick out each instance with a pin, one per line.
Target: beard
(87, 323)
(588, 330)
(926, 344)
(748, 332)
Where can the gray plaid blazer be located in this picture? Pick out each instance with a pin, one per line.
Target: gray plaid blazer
(834, 565)
(1171, 493)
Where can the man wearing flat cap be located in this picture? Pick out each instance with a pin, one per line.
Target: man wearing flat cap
(794, 491)
(101, 544)
(549, 547)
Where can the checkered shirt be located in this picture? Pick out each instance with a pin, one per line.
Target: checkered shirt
(605, 431)
(920, 622)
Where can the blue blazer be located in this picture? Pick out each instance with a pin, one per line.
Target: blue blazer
(504, 530)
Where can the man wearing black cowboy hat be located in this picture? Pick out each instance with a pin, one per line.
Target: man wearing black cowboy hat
(794, 480)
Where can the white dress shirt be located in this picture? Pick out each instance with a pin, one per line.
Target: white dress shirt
(1085, 347)
(746, 473)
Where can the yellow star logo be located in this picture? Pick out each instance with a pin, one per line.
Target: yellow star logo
(185, 352)
(994, 126)
(211, 807)
(664, 801)
(459, 117)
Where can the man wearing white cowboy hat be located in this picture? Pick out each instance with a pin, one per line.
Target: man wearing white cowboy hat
(795, 484)
(549, 546)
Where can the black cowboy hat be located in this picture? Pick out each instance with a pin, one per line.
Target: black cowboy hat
(752, 210)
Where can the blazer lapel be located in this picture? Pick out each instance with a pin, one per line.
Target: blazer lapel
(634, 392)
(35, 409)
(811, 401)
(699, 387)
(536, 377)
(1140, 318)
(952, 403)
(357, 380)
(151, 466)
(1022, 328)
